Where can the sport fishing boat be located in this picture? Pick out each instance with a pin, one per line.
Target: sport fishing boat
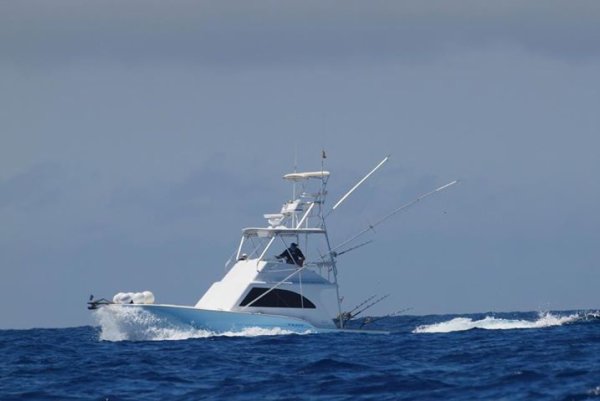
(295, 290)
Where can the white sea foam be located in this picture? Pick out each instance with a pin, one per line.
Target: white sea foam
(492, 323)
(134, 324)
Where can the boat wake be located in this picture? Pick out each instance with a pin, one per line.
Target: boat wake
(546, 319)
(129, 324)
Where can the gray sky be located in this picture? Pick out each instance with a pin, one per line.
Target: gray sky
(137, 138)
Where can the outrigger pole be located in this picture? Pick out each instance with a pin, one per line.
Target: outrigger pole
(343, 198)
(387, 216)
(336, 254)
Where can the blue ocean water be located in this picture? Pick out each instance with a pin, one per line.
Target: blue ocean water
(517, 356)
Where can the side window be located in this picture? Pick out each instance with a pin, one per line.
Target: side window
(277, 299)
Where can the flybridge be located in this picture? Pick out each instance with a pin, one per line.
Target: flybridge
(299, 221)
(291, 211)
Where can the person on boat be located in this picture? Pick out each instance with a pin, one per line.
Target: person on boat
(293, 255)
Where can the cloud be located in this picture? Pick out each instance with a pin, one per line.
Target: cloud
(205, 204)
(241, 34)
(35, 188)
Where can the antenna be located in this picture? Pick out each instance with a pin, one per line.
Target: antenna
(323, 185)
(295, 170)
(295, 157)
(358, 184)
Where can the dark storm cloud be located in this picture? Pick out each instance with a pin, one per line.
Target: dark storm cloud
(234, 33)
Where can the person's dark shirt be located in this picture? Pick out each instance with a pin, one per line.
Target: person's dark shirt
(292, 255)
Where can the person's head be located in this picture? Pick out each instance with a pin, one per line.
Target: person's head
(293, 245)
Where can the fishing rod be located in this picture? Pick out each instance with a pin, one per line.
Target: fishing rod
(371, 305)
(346, 316)
(370, 319)
(395, 211)
(362, 303)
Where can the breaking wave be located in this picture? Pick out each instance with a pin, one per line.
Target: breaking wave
(133, 324)
(492, 323)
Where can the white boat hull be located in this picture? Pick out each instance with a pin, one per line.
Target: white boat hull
(223, 321)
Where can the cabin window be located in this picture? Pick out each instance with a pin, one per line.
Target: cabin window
(277, 299)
